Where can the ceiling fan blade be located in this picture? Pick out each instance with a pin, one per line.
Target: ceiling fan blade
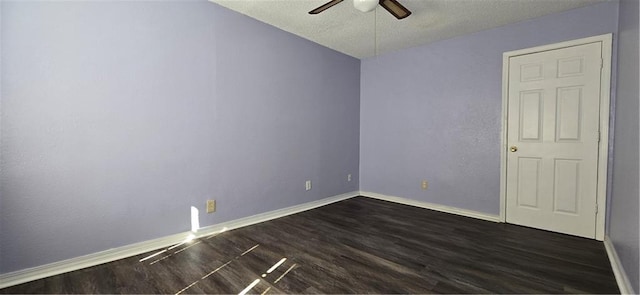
(325, 6)
(395, 8)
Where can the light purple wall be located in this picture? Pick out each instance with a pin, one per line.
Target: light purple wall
(119, 116)
(623, 225)
(433, 112)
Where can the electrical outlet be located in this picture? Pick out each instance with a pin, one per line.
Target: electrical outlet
(348, 177)
(211, 206)
(425, 185)
(307, 185)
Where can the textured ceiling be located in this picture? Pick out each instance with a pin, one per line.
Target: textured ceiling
(361, 35)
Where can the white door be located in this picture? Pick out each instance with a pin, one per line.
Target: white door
(552, 137)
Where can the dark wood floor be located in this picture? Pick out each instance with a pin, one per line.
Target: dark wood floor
(360, 245)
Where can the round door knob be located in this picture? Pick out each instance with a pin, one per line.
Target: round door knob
(514, 149)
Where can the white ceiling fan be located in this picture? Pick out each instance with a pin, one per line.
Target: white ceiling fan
(392, 6)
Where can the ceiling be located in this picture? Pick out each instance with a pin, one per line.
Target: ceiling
(362, 35)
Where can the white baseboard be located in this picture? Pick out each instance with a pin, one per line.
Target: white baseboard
(47, 270)
(51, 269)
(621, 276)
(242, 222)
(437, 207)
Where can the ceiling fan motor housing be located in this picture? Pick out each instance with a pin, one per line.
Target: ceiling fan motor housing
(392, 6)
(365, 5)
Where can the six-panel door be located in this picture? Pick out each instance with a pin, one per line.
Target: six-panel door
(552, 136)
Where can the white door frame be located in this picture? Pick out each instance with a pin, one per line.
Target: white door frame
(603, 146)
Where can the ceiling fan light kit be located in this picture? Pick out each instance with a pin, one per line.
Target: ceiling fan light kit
(392, 6)
(365, 5)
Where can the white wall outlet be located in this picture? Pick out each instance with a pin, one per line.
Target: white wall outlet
(348, 177)
(425, 185)
(307, 185)
(211, 206)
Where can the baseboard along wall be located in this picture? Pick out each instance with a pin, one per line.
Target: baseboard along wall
(432, 206)
(621, 276)
(51, 269)
(47, 270)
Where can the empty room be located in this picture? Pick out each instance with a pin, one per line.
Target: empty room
(318, 146)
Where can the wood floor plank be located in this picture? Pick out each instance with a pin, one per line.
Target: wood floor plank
(360, 245)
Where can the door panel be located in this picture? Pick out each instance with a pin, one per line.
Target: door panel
(531, 116)
(569, 115)
(528, 182)
(566, 186)
(553, 122)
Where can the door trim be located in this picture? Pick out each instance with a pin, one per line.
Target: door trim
(603, 146)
